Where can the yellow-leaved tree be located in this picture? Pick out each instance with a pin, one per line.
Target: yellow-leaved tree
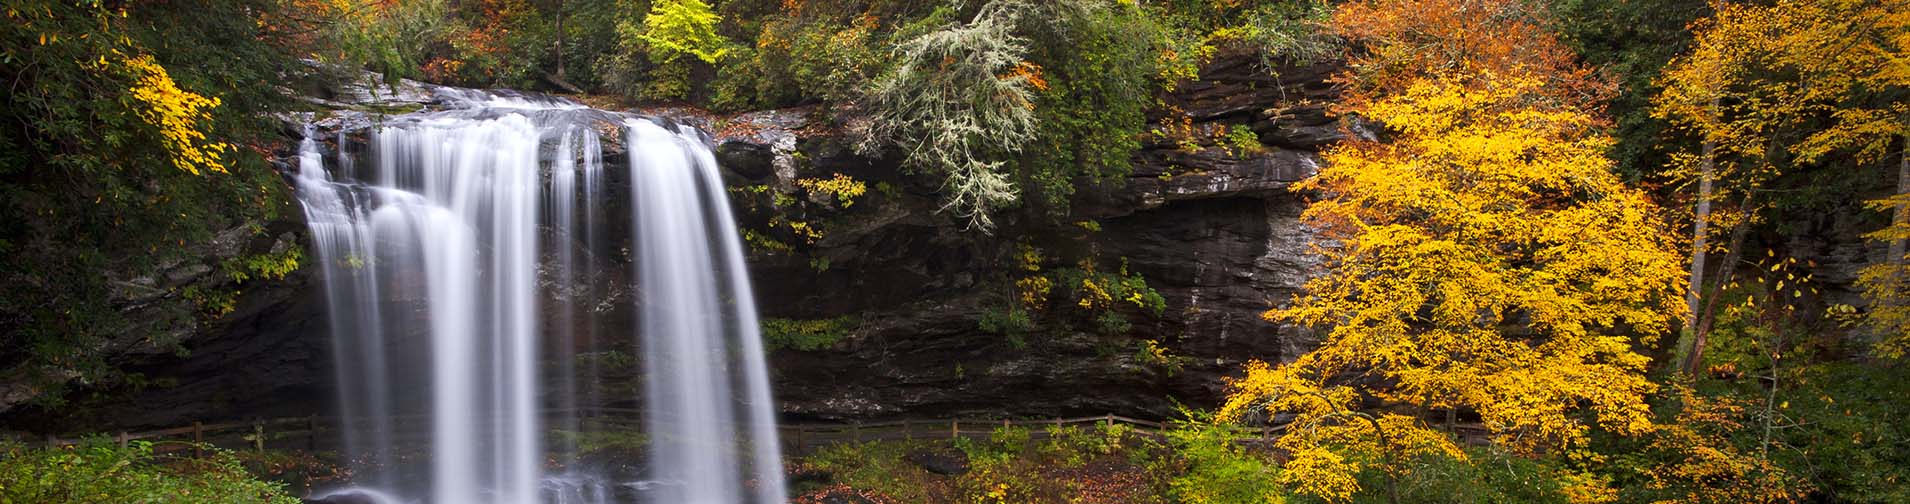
(1755, 75)
(1483, 257)
(1717, 94)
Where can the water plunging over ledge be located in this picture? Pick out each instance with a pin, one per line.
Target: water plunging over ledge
(452, 256)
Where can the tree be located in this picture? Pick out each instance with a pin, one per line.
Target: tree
(1715, 93)
(683, 27)
(1809, 79)
(1699, 463)
(125, 153)
(1485, 258)
(1854, 61)
(1480, 254)
(955, 98)
(1401, 41)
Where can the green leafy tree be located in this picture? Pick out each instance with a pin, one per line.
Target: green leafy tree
(1096, 73)
(132, 142)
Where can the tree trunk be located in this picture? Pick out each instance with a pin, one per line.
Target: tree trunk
(1903, 187)
(1708, 314)
(560, 40)
(1689, 343)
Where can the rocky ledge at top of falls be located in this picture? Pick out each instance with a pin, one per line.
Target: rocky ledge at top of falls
(1217, 234)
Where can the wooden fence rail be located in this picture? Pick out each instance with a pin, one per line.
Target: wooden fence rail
(257, 433)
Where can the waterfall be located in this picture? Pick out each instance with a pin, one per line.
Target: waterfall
(694, 289)
(462, 261)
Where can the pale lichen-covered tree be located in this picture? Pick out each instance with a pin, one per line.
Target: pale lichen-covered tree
(954, 105)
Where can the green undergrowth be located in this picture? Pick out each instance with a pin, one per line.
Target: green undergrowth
(1193, 461)
(1012, 464)
(99, 471)
(806, 335)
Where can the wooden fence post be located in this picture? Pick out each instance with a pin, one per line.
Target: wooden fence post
(198, 439)
(855, 430)
(954, 429)
(908, 432)
(798, 449)
(122, 439)
(52, 442)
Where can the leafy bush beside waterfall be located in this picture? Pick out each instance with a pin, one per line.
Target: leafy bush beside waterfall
(99, 471)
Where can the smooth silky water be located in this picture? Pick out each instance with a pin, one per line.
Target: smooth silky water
(460, 251)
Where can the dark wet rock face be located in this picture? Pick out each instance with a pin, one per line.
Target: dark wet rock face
(1216, 232)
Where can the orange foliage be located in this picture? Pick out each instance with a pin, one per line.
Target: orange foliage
(1031, 71)
(1399, 42)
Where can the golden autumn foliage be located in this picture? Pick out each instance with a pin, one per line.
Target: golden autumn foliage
(1330, 441)
(1481, 256)
(1759, 70)
(1717, 92)
(1706, 466)
(1485, 258)
(1854, 61)
(178, 114)
(1887, 287)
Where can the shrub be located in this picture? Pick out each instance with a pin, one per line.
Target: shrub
(1211, 469)
(1011, 321)
(1096, 300)
(1195, 30)
(806, 335)
(798, 59)
(999, 471)
(876, 466)
(1487, 475)
(649, 59)
(394, 39)
(132, 147)
(98, 471)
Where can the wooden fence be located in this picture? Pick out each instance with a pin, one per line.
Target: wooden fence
(310, 432)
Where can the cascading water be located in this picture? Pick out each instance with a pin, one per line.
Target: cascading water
(697, 442)
(454, 262)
